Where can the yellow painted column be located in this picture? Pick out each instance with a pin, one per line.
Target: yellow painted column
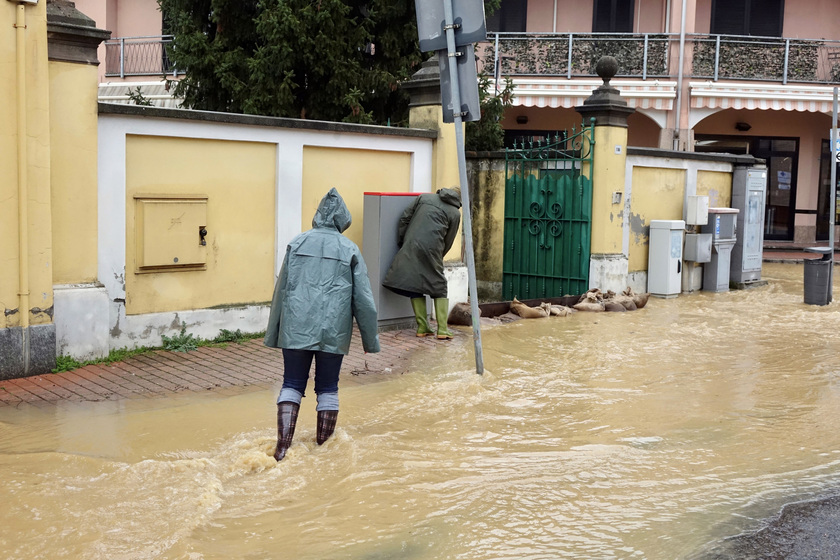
(610, 157)
(608, 268)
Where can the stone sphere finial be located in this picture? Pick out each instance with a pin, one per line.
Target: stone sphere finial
(607, 67)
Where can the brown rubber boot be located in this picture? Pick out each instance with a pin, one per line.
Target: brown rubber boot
(326, 425)
(287, 413)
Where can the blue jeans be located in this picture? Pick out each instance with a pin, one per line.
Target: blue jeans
(296, 365)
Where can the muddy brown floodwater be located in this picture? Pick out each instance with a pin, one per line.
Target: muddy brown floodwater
(649, 434)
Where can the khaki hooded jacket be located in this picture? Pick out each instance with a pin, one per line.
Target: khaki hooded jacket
(426, 232)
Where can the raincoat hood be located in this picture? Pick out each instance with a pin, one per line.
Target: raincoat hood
(450, 196)
(332, 213)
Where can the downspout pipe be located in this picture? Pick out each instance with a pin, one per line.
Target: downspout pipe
(681, 63)
(23, 184)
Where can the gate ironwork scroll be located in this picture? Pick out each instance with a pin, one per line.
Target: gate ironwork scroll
(548, 216)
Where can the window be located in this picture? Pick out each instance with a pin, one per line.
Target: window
(762, 18)
(509, 17)
(613, 16)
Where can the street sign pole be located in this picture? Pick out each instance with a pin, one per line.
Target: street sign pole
(449, 27)
(832, 205)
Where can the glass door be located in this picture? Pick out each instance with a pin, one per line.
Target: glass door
(824, 193)
(781, 156)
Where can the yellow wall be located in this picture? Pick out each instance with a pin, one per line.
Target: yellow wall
(717, 186)
(607, 178)
(352, 173)
(657, 195)
(73, 131)
(238, 179)
(38, 168)
(489, 220)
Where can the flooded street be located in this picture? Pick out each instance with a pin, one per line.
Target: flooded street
(649, 434)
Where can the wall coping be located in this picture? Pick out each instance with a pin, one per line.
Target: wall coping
(258, 120)
(701, 156)
(652, 152)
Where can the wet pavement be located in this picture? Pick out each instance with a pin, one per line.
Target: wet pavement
(248, 366)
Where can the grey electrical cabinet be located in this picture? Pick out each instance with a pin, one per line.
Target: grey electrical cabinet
(748, 196)
(382, 213)
(665, 257)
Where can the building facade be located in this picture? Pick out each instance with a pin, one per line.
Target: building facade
(735, 76)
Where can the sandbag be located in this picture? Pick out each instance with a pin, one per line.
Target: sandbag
(461, 314)
(610, 305)
(639, 299)
(561, 311)
(593, 295)
(589, 306)
(526, 312)
(626, 301)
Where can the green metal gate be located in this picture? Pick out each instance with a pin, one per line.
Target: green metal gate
(548, 215)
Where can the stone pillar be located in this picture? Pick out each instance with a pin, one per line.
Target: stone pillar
(426, 111)
(608, 268)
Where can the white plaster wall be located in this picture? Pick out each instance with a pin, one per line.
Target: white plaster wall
(457, 281)
(81, 321)
(608, 272)
(139, 330)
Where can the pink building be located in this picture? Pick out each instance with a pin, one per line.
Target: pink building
(739, 76)
(135, 56)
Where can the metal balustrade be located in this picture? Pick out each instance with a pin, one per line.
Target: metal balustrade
(654, 56)
(138, 56)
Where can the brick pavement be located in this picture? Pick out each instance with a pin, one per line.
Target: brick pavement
(249, 365)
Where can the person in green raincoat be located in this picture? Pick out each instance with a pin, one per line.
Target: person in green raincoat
(323, 285)
(426, 232)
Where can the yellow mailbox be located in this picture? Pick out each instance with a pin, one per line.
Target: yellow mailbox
(170, 233)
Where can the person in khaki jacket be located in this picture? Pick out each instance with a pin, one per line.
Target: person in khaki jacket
(426, 232)
(323, 285)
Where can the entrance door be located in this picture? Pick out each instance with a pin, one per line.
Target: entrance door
(781, 155)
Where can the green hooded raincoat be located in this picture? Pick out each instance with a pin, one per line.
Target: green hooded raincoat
(426, 232)
(323, 285)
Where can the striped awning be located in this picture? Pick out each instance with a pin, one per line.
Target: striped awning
(552, 92)
(729, 95)
(156, 92)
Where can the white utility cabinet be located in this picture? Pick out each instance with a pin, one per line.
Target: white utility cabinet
(665, 258)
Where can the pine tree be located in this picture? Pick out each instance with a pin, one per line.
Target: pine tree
(334, 60)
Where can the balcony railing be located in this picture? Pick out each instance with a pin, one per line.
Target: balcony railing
(138, 56)
(653, 56)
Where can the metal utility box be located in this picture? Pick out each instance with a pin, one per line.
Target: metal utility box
(698, 247)
(170, 233)
(382, 213)
(697, 210)
(723, 228)
(665, 258)
(748, 196)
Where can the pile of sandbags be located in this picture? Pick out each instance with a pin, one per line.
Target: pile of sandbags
(545, 309)
(596, 300)
(593, 300)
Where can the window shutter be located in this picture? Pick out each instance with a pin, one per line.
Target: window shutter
(729, 17)
(511, 16)
(766, 18)
(602, 18)
(613, 16)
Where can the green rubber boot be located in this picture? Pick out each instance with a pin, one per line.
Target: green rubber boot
(419, 306)
(442, 316)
